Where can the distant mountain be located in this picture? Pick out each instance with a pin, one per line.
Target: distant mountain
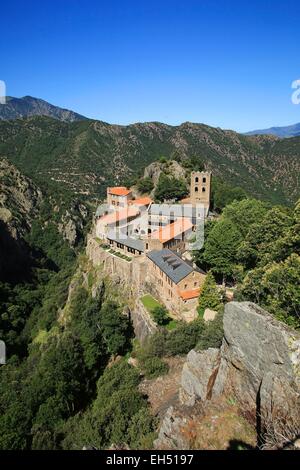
(27, 106)
(82, 158)
(287, 131)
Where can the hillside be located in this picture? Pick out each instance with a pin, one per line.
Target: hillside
(284, 131)
(85, 157)
(16, 108)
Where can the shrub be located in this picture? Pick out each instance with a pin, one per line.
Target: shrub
(184, 338)
(160, 315)
(212, 334)
(210, 296)
(154, 367)
(145, 185)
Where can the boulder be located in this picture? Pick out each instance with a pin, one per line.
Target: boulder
(260, 363)
(198, 375)
(209, 315)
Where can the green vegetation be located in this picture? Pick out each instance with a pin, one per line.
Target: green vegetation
(158, 312)
(210, 297)
(169, 188)
(119, 415)
(149, 302)
(192, 163)
(120, 255)
(160, 315)
(182, 339)
(58, 359)
(68, 159)
(257, 246)
(224, 194)
(145, 185)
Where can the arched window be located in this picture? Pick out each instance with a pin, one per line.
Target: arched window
(203, 190)
(196, 189)
(204, 179)
(196, 179)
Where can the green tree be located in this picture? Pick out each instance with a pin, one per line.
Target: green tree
(245, 213)
(221, 248)
(276, 288)
(160, 315)
(224, 194)
(210, 296)
(116, 328)
(145, 185)
(260, 244)
(169, 188)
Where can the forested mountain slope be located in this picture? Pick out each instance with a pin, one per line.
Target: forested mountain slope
(85, 157)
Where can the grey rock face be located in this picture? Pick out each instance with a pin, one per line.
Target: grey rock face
(143, 324)
(170, 435)
(198, 375)
(258, 365)
(260, 362)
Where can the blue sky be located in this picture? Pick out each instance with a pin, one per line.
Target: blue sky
(226, 63)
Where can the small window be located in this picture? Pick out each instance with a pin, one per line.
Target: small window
(196, 189)
(204, 179)
(147, 246)
(195, 284)
(196, 179)
(185, 286)
(203, 190)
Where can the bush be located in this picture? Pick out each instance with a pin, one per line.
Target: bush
(210, 296)
(170, 188)
(160, 315)
(212, 334)
(145, 185)
(154, 367)
(184, 338)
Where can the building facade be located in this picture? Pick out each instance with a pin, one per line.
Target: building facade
(118, 196)
(176, 282)
(200, 191)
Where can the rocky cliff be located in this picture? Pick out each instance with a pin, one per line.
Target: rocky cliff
(257, 368)
(20, 200)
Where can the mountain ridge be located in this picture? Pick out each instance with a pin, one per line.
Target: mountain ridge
(84, 157)
(16, 108)
(279, 131)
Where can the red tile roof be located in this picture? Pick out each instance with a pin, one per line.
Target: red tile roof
(119, 191)
(164, 234)
(189, 294)
(142, 201)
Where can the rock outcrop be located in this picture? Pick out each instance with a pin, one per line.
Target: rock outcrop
(198, 375)
(257, 367)
(143, 324)
(260, 363)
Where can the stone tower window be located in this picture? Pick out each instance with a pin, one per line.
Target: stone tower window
(196, 189)
(204, 179)
(196, 179)
(203, 190)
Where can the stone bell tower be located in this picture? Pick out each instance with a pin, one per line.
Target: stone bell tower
(201, 188)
